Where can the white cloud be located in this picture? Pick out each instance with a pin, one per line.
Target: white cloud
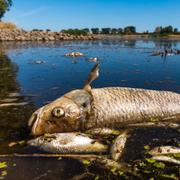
(33, 12)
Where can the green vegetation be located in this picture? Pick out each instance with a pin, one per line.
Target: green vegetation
(4, 6)
(165, 31)
(95, 31)
(128, 30)
(76, 32)
(106, 31)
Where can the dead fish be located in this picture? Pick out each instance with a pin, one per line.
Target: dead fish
(157, 53)
(110, 107)
(162, 150)
(166, 159)
(37, 62)
(74, 54)
(68, 143)
(118, 146)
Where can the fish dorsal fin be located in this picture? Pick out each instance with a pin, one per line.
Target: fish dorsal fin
(92, 76)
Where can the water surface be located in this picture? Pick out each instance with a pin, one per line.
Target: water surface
(122, 63)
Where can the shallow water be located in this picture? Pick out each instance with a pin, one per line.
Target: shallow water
(123, 63)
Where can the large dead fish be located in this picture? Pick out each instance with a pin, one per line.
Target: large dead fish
(111, 107)
(67, 143)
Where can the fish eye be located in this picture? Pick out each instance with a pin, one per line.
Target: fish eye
(58, 112)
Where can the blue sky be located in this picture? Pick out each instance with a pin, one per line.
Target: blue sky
(60, 14)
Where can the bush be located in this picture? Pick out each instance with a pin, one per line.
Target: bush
(7, 25)
(75, 32)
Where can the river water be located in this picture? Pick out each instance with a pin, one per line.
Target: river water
(122, 63)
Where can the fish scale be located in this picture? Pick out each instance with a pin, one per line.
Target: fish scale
(119, 106)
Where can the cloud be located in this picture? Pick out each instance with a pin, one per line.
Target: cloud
(33, 12)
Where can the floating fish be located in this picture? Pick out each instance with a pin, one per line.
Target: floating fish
(166, 159)
(163, 150)
(110, 107)
(67, 143)
(74, 54)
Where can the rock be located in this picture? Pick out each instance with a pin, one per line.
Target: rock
(37, 35)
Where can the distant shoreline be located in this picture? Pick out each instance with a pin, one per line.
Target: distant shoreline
(36, 35)
(139, 36)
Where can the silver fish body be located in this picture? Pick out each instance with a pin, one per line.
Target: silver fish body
(114, 107)
(110, 107)
(164, 150)
(67, 143)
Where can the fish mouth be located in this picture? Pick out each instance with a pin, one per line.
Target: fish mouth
(32, 120)
(35, 121)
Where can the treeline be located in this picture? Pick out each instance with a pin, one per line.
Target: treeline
(113, 31)
(121, 31)
(166, 30)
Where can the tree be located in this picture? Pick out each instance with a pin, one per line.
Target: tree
(114, 31)
(86, 30)
(95, 30)
(158, 29)
(130, 30)
(105, 30)
(167, 29)
(120, 30)
(175, 30)
(4, 6)
(75, 32)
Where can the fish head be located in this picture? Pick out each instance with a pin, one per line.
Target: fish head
(66, 114)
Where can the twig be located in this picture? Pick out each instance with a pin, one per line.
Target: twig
(13, 104)
(77, 156)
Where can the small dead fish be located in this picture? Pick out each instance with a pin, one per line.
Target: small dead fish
(118, 146)
(162, 150)
(74, 54)
(67, 143)
(111, 107)
(166, 159)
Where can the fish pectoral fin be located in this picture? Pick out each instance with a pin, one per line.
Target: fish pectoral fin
(92, 76)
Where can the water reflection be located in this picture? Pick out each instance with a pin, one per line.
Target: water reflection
(13, 119)
(8, 72)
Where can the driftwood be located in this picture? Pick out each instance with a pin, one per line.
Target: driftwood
(13, 104)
